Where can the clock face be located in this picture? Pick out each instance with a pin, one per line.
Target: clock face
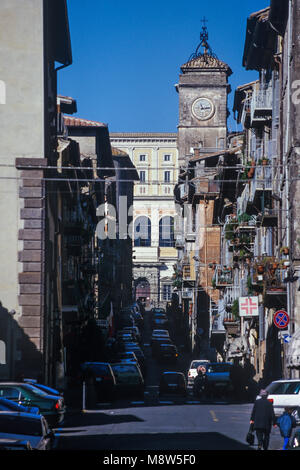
(203, 109)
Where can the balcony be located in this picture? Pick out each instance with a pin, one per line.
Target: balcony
(262, 182)
(179, 242)
(206, 188)
(261, 106)
(269, 218)
(223, 277)
(231, 293)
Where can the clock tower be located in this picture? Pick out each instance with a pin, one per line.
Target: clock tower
(203, 89)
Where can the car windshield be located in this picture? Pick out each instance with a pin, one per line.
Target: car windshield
(97, 368)
(35, 390)
(218, 368)
(127, 369)
(196, 364)
(284, 388)
(18, 425)
(171, 378)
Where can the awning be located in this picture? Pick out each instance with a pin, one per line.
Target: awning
(293, 353)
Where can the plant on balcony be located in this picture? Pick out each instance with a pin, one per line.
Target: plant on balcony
(249, 285)
(244, 175)
(235, 309)
(244, 218)
(213, 283)
(230, 229)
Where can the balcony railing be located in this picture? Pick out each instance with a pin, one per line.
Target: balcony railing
(261, 105)
(262, 181)
(223, 276)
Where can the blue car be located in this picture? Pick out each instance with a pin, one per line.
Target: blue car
(8, 405)
(44, 388)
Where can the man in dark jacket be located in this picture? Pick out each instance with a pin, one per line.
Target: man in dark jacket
(262, 418)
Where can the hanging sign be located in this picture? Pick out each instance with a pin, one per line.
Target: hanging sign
(281, 319)
(248, 306)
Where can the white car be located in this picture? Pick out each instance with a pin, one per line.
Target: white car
(192, 372)
(29, 427)
(284, 392)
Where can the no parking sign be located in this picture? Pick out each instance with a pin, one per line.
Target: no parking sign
(281, 319)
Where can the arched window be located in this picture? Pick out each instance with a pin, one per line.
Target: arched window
(142, 231)
(166, 231)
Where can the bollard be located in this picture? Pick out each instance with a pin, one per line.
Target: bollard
(83, 397)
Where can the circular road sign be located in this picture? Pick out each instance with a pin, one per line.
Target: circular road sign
(281, 319)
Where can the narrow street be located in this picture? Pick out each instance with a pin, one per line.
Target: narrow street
(159, 423)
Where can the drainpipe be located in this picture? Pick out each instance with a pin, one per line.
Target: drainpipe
(286, 151)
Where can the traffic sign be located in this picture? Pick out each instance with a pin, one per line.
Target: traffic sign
(281, 319)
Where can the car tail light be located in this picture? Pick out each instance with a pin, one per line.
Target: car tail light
(189, 374)
(271, 400)
(58, 405)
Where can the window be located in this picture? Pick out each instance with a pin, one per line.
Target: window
(142, 231)
(167, 292)
(167, 177)
(166, 231)
(142, 158)
(142, 176)
(167, 158)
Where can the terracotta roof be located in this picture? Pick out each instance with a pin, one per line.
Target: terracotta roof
(261, 14)
(118, 153)
(229, 151)
(78, 122)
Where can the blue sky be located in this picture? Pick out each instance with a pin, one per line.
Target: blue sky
(127, 56)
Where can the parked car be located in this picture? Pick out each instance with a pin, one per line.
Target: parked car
(44, 388)
(129, 380)
(8, 405)
(218, 379)
(125, 336)
(159, 333)
(159, 320)
(193, 369)
(139, 319)
(156, 342)
(134, 330)
(52, 407)
(127, 356)
(102, 376)
(15, 444)
(139, 354)
(158, 310)
(32, 428)
(285, 392)
(172, 382)
(167, 352)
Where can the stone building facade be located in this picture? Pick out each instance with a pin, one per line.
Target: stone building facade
(154, 214)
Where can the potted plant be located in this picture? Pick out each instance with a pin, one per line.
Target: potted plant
(265, 161)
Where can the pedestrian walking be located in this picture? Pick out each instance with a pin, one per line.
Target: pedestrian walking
(262, 418)
(286, 423)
